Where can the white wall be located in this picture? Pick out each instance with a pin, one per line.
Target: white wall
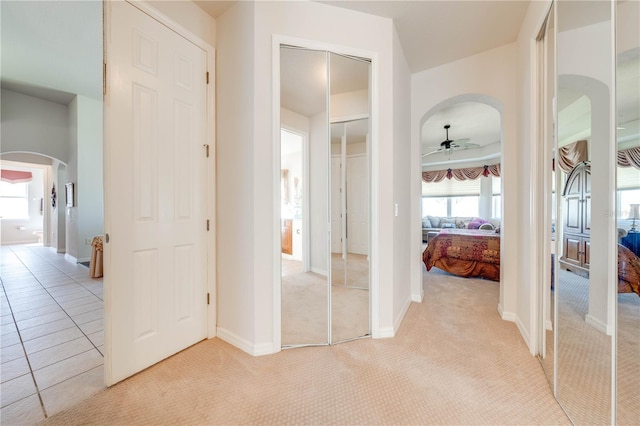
(89, 185)
(188, 14)
(58, 228)
(530, 185)
(246, 151)
(71, 213)
(403, 233)
(31, 124)
(71, 134)
(490, 75)
(587, 52)
(11, 231)
(349, 104)
(235, 170)
(318, 193)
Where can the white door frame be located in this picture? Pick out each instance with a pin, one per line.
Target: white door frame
(210, 172)
(276, 41)
(306, 265)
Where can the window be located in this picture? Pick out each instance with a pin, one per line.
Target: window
(496, 198)
(451, 197)
(435, 206)
(466, 206)
(628, 190)
(14, 201)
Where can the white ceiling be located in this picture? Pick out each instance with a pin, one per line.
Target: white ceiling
(474, 120)
(433, 32)
(303, 78)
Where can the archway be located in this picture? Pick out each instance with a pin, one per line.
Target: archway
(477, 121)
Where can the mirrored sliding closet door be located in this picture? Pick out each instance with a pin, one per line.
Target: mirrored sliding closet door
(628, 202)
(325, 196)
(584, 283)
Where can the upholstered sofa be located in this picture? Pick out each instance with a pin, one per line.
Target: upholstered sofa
(436, 223)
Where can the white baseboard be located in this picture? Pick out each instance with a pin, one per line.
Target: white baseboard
(243, 344)
(598, 325)
(507, 316)
(70, 258)
(417, 297)
(319, 271)
(548, 325)
(56, 250)
(84, 259)
(524, 333)
(400, 317)
(383, 333)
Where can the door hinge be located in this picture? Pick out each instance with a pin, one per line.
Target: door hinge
(208, 299)
(207, 224)
(104, 78)
(206, 147)
(207, 77)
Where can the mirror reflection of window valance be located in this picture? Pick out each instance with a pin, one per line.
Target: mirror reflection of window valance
(571, 155)
(629, 158)
(15, 176)
(462, 174)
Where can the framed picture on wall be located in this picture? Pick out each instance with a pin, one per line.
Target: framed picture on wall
(69, 194)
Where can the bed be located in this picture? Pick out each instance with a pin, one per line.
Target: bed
(465, 252)
(628, 271)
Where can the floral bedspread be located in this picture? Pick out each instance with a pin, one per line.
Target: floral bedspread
(628, 271)
(465, 252)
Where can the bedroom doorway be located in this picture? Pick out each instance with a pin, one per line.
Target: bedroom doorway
(461, 197)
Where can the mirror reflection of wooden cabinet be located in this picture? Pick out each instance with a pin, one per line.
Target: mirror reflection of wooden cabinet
(577, 220)
(287, 236)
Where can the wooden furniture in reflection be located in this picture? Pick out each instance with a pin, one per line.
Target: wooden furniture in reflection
(577, 220)
(287, 236)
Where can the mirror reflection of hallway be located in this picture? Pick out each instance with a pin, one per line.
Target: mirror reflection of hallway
(349, 230)
(324, 197)
(304, 292)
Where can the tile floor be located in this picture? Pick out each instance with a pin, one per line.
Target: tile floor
(52, 334)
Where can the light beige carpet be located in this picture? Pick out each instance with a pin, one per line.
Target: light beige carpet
(628, 359)
(453, 361)
(305, 308)
(584, 355)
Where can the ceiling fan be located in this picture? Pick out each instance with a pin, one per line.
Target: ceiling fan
(448, 145)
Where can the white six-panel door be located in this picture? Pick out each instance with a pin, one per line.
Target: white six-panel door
(155, 187)
(357, 205)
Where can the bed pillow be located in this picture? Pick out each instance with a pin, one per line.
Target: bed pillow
(426, 223)
(476, 222)
(447, 223)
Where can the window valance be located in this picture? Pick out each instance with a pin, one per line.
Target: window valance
(571, 155)
(462, 174)
(15, 176)
(629, 158)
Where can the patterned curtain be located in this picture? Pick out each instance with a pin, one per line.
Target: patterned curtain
(629, 157)
(462, 174)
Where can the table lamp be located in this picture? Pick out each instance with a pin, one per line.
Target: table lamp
(634, 213)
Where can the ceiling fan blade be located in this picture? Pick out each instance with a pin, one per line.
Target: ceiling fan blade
(467, 146)
(432, 152)
(461, 141)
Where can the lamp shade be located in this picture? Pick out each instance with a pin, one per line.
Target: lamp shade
(634, 211)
